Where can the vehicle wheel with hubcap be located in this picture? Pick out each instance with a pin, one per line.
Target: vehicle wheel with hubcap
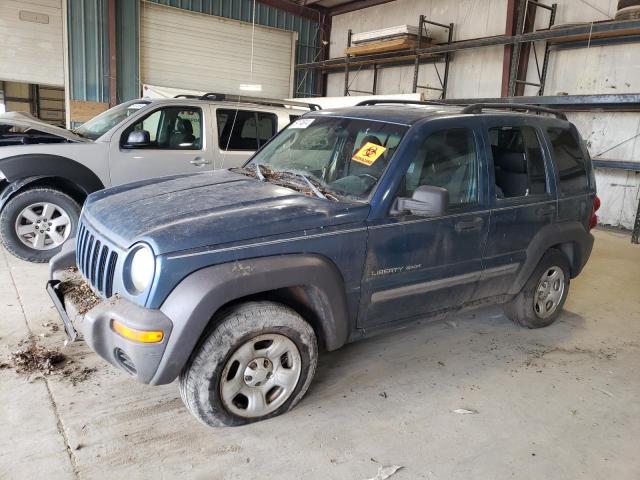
(256, 363)
(540, 301)
(35, 223)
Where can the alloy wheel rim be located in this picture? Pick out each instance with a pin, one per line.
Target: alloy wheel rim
(260, 376)
(43, 226)
(548, 293)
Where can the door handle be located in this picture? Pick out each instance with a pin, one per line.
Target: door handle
(469, 225)
(545, 211)
(199, 161)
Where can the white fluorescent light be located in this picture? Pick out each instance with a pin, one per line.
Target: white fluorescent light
(251, 87)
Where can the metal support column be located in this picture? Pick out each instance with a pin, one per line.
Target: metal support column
(346, 65)
(447, 59)
(545, 62)
(635, 235)
(416, 66)
(515, 53)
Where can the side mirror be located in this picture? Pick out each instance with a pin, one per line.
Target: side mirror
(426, 201)
(138, 138)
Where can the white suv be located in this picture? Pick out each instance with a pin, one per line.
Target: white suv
(46, 172)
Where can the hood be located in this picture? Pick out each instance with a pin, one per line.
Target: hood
(186, 212)
(27, 121)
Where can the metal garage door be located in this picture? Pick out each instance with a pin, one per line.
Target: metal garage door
(194, 51)
(31, 41)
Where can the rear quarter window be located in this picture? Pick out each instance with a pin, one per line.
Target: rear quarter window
(569, 159)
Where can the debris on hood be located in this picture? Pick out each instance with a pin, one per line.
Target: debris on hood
(297, 181)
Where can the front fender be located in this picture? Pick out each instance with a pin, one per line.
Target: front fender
(192, 304)
(7, 189)
(19, 168)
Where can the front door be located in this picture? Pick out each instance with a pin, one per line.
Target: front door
(418, 265)
(176, 145)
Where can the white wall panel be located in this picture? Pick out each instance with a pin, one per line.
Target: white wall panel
(194, 51)
(31, 51)
(472, 73)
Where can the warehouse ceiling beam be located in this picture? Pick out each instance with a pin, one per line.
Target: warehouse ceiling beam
(356, 5)
(311, 12)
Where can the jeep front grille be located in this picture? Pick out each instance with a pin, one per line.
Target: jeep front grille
(95, 260)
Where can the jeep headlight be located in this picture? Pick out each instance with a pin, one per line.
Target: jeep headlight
(140, 269)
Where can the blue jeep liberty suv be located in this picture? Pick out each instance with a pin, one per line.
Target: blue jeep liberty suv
(347, 223)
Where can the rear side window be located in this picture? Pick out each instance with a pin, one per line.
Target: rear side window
(244, 130)
(569, 160)
(517, 161)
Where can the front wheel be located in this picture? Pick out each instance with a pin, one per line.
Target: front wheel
(541, 299)
(35, 223)
(256, 363)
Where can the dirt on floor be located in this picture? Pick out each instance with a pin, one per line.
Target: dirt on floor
(33, 359)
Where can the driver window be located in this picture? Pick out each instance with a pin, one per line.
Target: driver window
(446, 159)
(172, 128)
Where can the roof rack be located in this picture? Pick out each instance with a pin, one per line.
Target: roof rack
(478, 107)
(398, 101)
(274, 102)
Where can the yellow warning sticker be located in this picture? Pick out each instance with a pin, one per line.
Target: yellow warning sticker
(368, 154)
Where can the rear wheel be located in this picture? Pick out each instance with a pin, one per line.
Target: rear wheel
(256, 363)
(35, 223)
(541, 299)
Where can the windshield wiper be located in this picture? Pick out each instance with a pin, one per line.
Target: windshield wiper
(259, 173)
(313, 188)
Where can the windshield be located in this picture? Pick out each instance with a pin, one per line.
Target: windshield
(343, 155)
(98, 126)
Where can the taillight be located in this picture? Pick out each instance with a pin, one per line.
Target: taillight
(593, 219)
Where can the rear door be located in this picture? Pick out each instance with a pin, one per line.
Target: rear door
(177, 145)
(522, 196)
(240, 132)
(417, 265)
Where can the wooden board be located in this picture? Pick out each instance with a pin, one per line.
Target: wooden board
(83, 111)
(392, 45)
(595, 36)
(399, 59)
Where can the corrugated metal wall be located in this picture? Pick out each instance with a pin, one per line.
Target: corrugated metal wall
(89, 45)
(127, 41)
(88, 50)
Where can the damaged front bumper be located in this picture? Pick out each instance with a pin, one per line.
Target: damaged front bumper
(98, 324)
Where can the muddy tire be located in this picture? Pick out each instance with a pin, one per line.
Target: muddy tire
(35, 223)
(541, 299)
(256, 363)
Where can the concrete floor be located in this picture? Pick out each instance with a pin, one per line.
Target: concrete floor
(561, 402)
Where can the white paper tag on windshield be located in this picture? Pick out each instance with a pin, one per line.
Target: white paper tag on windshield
(302, 123)
(136, 106)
